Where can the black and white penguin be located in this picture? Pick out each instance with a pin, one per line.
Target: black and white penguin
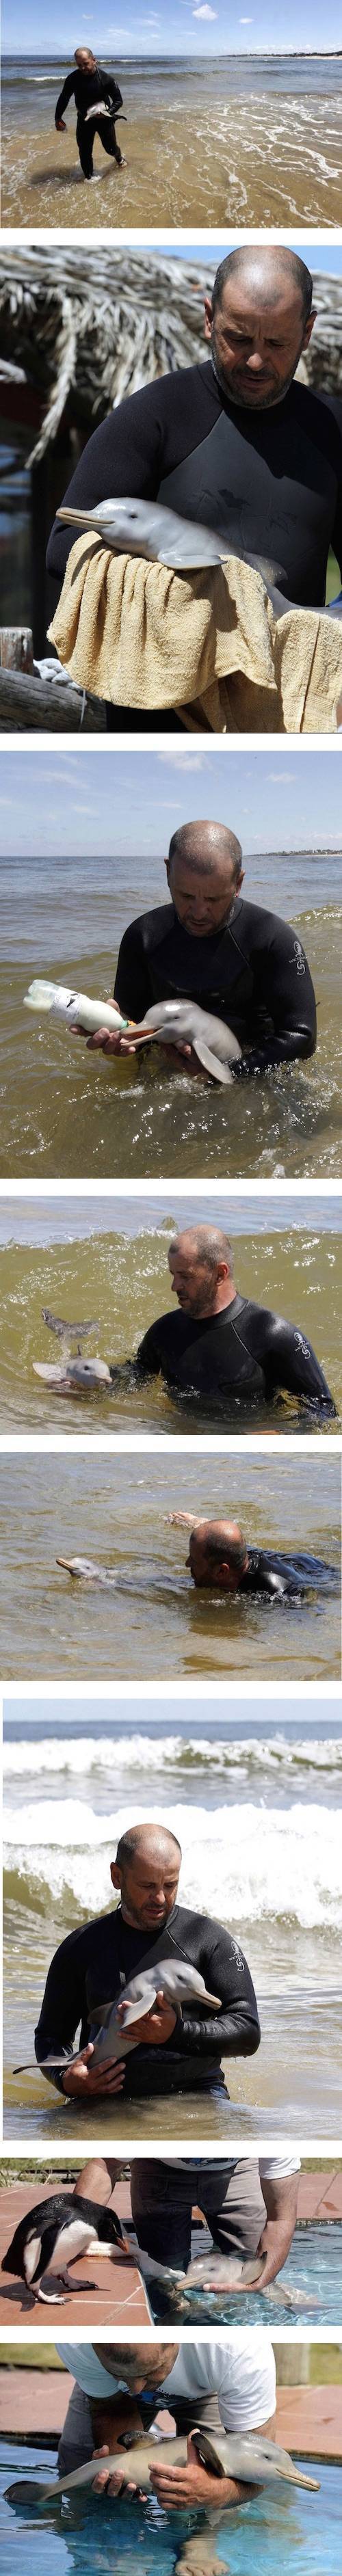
(56, 2232)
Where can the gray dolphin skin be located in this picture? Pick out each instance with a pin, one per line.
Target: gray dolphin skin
(72, 1373)
(112, 2036)
(186, 1024)
(83, 1570)
(218, 2275)
(253, 2460)
(145, 528)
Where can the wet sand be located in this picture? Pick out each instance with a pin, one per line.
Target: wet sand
(260, 159)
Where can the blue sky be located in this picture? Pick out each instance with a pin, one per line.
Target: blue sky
(191, 26)
(55, 802)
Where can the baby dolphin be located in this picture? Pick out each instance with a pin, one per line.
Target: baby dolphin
(146, 528)
(218, 2276)
(151, 530)
(56, 2232)
(72, 1374)
(84, 1571)
(114, 2033)
(246, 2456)
(186, 1024)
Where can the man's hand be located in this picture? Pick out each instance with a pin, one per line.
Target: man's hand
(181, 1520)
(83, 2079)
(186, 2488)
(156, 2026)
(60, 124)
(111, 2486)
(107, 1042)
(178, 1048)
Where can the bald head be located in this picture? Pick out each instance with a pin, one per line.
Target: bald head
(142, 2365)
(146, 1871)
(258, 319)
(218, 1555)
(201, 1266)
(84, 58)
(205, 873)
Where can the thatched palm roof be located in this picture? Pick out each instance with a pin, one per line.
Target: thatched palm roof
(97, 324)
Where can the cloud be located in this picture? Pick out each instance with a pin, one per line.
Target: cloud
(246, 22)
(182, 759)
(204, 12)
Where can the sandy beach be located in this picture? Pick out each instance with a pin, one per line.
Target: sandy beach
(236, 141)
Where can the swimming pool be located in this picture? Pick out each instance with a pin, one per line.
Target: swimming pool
(314, 2266)
(139, 2538)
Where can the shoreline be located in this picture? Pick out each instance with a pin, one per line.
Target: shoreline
(255, 158)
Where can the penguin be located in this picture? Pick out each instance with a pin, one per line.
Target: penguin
(65, 2226)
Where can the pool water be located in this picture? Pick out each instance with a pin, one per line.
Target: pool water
(140, 2539)
(314, 2266)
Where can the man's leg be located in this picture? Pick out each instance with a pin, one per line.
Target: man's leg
(106, 131)
(76, 2442)
(237, 2217)
(161, 2212)
(84, 140)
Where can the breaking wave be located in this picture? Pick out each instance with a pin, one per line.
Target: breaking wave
(254, 1864)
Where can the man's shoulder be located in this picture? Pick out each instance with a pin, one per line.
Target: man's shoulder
(88, 1935)
(202, 1926)
(151, 927)
(181, 387)
(322, 404)
(253, 924)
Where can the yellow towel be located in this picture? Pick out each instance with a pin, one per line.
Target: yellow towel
(206, 644)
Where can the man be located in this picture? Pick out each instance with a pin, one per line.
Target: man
(250, 2204)
(233, 443)
(207, 945)
(174, 2054)
(97, 98)
(220, 1561)
(118, 2386)
(222, 1345)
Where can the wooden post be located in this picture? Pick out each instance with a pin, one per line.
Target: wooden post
(28, 704)
(16, 648)
(293, 2364)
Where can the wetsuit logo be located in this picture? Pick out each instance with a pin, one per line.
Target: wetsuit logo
(298, 959)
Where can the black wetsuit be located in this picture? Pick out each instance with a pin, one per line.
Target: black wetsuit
(92, 1965)
(86, 88)
(243, 1351)
(253, 974)
(271, 481)
(267, 1571)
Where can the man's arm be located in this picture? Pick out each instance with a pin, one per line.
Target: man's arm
(281, 2199)
(62, 2010)
(290, 1362)
(132, 988)
(235, 2031)
(283, 988)
(66, 93)
(123, 457)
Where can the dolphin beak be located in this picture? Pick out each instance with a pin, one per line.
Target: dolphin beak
(295, 2477)
(215, 2001)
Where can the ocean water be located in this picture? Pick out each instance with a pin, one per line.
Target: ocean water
(117, 1271)
(276, 2532)
(115, 1510)
(240, 139)
(63, 1110)
(258, 1815)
